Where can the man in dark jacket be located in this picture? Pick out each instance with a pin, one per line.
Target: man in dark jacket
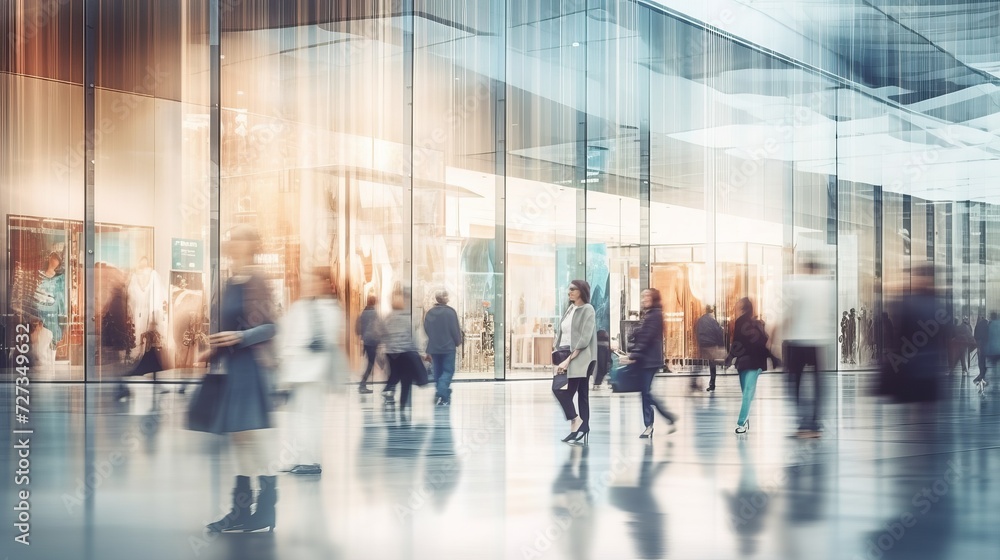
(711, 343)
(443, 335)
(914, 373)
(982, 336)
(368, 328)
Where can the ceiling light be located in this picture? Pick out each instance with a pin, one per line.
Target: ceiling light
(240, 92)
(576, 44)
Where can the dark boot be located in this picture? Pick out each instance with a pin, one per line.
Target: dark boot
(240, 514)
(263, 516)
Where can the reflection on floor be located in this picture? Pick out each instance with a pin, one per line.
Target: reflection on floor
(488, 478)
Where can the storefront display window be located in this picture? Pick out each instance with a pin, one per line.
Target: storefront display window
(496, 150)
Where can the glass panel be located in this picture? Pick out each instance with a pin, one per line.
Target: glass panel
(152, 189)
(546, 93)
(41, 180)
(454, 169)
(316, 147)
(616, 53)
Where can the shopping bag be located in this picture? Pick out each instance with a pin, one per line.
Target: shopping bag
(560, 381)
(628, 379)
(418, 369)
(204, 405)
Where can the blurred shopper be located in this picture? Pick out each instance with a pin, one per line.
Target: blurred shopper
(400, 349)
(889, 341)
(809, 330)
(444, 335)
(963, 341)
(982, 336)
(646, 352)
(243, 351)
(749, 352)
(369, 328)
(711, 342)
(577, 332)
(993, 347)
(913, 373)
(311, 356)
(604, 362)
(948, 338)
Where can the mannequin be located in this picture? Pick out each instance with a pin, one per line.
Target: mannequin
(146, 304)
(50, 296)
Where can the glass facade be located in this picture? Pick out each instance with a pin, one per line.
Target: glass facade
(495, 148)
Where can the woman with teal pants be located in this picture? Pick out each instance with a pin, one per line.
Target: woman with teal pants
(749, 350)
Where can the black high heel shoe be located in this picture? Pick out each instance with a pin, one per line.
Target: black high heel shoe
(581, 437)
(646, 434)
(571, 437)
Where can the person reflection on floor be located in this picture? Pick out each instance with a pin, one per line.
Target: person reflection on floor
(807, 494)
(647, 524)
(442, 467)
(922, 524)
(571, 505)
(748, 505)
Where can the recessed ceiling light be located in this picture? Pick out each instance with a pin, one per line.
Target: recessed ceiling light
(576, 44)
(240, 92)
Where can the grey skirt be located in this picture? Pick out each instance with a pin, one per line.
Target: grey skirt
(245, 403)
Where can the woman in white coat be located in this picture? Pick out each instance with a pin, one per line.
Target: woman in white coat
(312, 358)
(576, 333)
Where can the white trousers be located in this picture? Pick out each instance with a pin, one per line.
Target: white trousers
(306, 422)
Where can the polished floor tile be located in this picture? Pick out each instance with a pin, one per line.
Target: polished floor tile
(488, 478)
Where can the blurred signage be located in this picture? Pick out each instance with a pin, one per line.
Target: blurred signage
(187, 254)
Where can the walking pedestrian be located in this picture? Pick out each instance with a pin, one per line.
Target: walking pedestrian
(604, 361)
(963, 341)
(749, 352)
(982, 336)
(399, 348)
(243, 350)
(311, 357)
(369, 328)
(646, 352)
(711, 342)
(444, 335)
(809, 331)
(993, 347)
(576, 334)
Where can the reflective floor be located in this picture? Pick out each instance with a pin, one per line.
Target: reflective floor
(489, 478)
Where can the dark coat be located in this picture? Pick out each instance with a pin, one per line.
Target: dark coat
(442, 329)
(368, 327)
(922, 356)
(709, 332)
(749, 347)
(982, 333)
(647, 340)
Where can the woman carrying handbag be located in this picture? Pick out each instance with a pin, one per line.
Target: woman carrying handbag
(646, 353)
(242, 405)
(575, 356)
